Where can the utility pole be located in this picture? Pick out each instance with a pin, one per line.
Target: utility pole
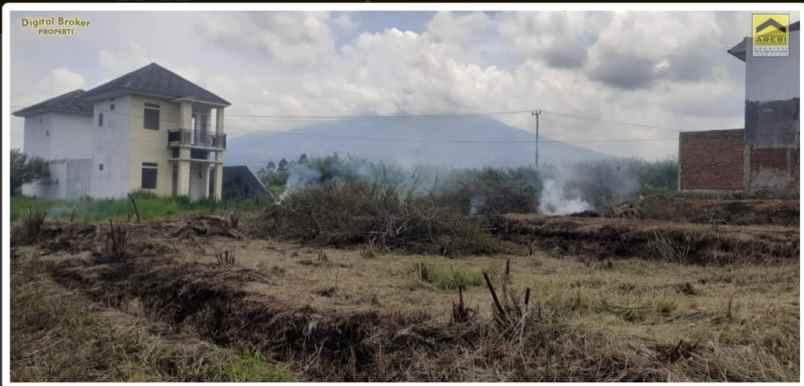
(536, 114)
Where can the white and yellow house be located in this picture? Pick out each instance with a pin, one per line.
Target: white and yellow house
(149, 130)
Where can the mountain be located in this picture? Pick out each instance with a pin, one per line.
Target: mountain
(465, 141)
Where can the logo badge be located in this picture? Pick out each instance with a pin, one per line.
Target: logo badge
(771, 34)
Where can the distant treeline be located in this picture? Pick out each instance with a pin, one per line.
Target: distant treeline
(479, 190)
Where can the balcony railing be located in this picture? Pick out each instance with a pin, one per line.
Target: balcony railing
(184, 137)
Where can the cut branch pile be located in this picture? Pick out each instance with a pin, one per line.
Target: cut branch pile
(208, 225)
(341, 215)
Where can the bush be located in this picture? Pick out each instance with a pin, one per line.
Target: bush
(490, 191)
(342, 214)
(24, 170)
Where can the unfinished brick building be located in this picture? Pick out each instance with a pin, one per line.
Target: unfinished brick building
(765, 155)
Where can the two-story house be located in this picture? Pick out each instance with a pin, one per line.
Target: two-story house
(149, 130)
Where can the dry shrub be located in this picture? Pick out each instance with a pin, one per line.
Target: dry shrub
(368, 252)
(234, 220)
(226, 258)
(116, 244)
(31, 228)
(344, 214)
(669, 248)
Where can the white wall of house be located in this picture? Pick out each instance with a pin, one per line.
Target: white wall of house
(58, 136)
(36, 136)
(110, 149)
(66, 141)
(70, 136)
(199, 180)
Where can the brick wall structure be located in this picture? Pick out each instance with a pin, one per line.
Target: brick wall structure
(711, 160)
(774, 168)
(720, 159)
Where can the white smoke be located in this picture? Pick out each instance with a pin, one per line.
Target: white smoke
(300, 176)
(557, 200)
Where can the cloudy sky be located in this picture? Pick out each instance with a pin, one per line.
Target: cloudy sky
(668, 70)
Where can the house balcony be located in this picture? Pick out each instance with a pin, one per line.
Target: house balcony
(200, 155)
(196, 139)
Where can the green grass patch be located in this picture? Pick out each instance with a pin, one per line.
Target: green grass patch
(448, 277)
(254, 368)
(100, 210)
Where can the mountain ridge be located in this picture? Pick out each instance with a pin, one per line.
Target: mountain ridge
(446, 141)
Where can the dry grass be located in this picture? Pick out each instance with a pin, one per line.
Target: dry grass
(338, 315)
(30, 230)
(59, 335)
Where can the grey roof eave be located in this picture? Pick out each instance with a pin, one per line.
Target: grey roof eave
(738, 51)
(126, 91)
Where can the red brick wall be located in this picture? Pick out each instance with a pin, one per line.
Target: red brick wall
(769, 169)
(711, 160)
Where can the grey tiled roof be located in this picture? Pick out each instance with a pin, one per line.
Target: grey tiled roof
(240, 182)
(69, 103)
(152, 79)
(156, 80)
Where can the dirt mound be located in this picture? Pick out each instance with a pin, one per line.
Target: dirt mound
(689, 243)
(710, 211)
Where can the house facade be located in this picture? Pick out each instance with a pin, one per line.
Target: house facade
(764, 155)
(149, 130)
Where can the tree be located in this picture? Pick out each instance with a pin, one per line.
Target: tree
(302, 158)
(283, 165)
(24, 169)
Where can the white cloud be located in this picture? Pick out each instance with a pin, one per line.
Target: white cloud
(118, 62)
(667, 69)
(290, 38)
(60, 81)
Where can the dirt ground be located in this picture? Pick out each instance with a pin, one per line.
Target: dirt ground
(358, 314)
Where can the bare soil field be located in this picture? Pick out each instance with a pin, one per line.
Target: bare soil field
(572, 299)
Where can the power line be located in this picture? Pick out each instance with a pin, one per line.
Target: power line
(374, 116)
(301, 117)
(421, 140)
(590, 118)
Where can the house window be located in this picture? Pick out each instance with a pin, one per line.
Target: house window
(149, 175)
(111, 107)
(100, 119)
(100, 167)
(151, 116)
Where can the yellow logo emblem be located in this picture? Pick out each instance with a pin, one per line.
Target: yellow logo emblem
(771, 34)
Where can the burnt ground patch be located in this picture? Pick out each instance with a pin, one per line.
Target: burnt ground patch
(683, 243)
